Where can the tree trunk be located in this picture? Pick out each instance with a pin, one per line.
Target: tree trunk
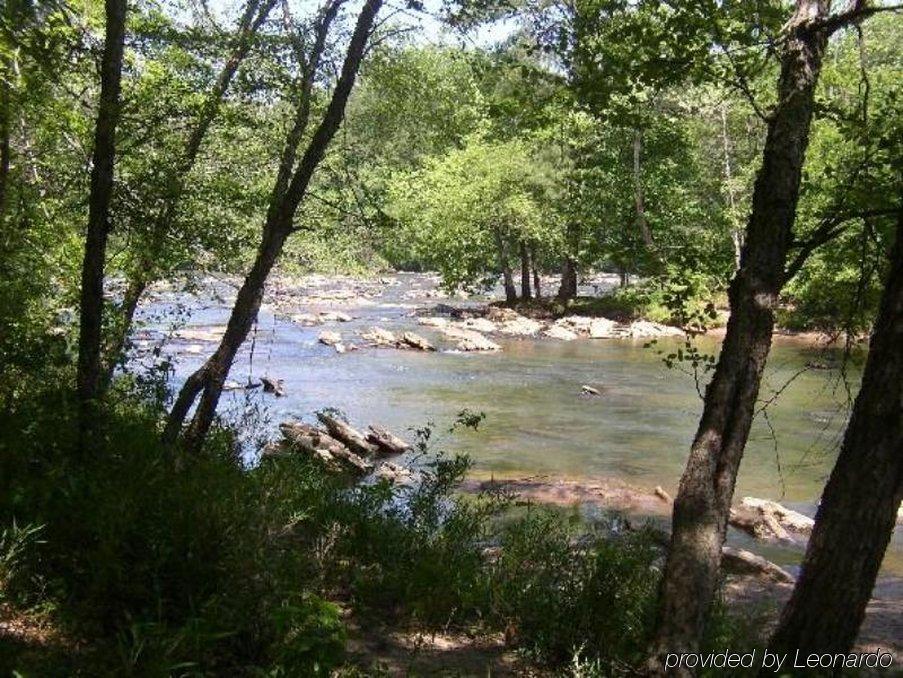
(287, 195)
(147, 268)
(638, 192)
(5, 115)
(525, 269)
(703, 502)
(537, 289)
(505, 265)
(858, 509)
(568, 288)
(91, 310)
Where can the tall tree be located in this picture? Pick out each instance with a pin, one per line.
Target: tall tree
(91, 311)
(148, 264)
(858, 509)
(288, 192)
(702, 506)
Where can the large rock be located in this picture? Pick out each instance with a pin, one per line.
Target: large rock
(470, 340)
(602, 328)
(646, 329)
(214, 333)
(306, 319)
(415, 341)
(500, 314)
(479, 325)
(330, 338)
(765, 519)
(520, 326)
(559, 332)
(579, 324)
(380, 337)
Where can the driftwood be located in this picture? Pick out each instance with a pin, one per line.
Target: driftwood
(348, 435)
(387, 442)
(586, 389)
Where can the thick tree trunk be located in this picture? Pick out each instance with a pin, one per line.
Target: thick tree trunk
(91, 310)
(525, 271)
(288, 192)
(147, 267)
(858, 509)
(703, 502)
(568, 288)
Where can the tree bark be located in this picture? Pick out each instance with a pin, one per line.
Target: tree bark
(287, 195)
(525, 271)
(91, 308)
(5, 115)
(568, 288)
(858, 509)
(537, 289)
(147, 268)
(702, 507)
(639, 195)
(505, 264)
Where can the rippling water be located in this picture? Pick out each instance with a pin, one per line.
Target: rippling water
(536, 421)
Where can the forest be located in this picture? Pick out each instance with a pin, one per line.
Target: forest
(451, 337)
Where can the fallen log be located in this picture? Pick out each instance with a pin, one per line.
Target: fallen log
(348, 435)
(387, 442)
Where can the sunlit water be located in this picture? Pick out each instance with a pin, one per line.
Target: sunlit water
(536, 422)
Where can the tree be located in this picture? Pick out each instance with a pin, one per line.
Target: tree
(289, 190)
(91, 309)
(468, 213)
(151, 254)
(858, 509)
(703, 502)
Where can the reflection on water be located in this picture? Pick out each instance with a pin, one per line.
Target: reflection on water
(536, 420)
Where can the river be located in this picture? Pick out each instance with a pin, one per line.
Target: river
(536, 420)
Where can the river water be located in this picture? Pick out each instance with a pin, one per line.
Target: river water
(537, 422)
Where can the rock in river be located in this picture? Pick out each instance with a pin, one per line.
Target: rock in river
(330, 338)
(415, 341)
(559, 332)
